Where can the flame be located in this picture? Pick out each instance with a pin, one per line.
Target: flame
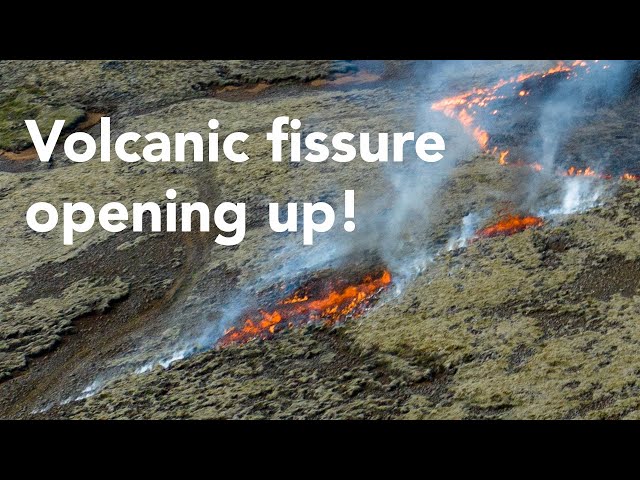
(509, 225)
(481, 137)
(299, 309)
(577, 172)
(589, 172)
(295, 299)
(502, 160)
(630, 176)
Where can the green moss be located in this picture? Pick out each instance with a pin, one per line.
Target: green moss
(30, 104)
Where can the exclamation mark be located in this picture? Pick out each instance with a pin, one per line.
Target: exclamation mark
(349, 210)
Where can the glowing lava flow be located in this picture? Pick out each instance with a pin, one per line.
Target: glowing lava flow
(590, 172)
(509, 225)
(300, 309)
(585, 172)
(630, 176)
(465, 106)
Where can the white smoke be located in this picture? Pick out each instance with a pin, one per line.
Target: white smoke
(565, 108)
(179, 354)
(466, 232)
(579, 195)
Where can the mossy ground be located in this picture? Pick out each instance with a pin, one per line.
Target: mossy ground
(22, 104)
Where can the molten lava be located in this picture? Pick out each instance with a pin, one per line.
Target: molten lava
(590, 172)
(328, 305)
(465, 107)
(630, 176)
(469, 108)
(578, 172)
(509, 225)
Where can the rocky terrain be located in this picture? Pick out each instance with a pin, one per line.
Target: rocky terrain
(539, 324)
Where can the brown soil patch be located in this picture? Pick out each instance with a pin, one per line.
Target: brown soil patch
(358, 78)
(29, 154)
(91, 119)
(616, 275)
(104, 335)
(26, 155)
(241, 92)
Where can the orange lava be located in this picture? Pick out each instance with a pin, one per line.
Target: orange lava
(577, 172)
(465, 106)
(630, 176)
(536, 167)
(299, 309)
(509, 225)
(502, 160)
(587, 172)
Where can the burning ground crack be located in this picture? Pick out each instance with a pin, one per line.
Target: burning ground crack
(476, 108)
(328, 303)
(510, 225)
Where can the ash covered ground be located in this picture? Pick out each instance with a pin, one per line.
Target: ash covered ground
(539, 324)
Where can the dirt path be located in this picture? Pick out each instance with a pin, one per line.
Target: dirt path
(100, 337)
